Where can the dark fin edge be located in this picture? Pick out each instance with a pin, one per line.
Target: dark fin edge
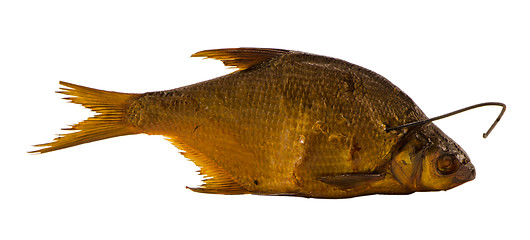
(242, 58)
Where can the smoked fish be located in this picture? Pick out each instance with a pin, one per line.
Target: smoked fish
(285, 123)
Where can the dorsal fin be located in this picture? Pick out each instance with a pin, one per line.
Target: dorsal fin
(242, 58)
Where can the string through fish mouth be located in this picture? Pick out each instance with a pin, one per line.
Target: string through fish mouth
(484, 135)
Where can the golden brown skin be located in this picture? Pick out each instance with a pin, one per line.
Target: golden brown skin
(292, 123)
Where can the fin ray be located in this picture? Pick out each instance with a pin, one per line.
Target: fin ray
(349, 181)
(217, 180)
(111, 108)
(242, 58)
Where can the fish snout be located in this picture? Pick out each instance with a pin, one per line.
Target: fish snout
(473, 173)
(466, 172)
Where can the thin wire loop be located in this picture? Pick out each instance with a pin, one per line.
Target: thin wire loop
(484, 135)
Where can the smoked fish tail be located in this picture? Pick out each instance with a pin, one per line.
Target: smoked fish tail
(110, 120)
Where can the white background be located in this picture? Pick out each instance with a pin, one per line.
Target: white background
(445, 56)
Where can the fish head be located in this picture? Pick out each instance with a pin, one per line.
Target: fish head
(428, 160)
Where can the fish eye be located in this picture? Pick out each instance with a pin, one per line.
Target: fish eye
(447, 164)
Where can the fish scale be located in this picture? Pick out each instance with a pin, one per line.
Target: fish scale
(325, 159)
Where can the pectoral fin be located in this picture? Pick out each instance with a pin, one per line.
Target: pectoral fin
(349, 181)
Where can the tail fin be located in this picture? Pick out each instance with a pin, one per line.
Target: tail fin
(110, 121)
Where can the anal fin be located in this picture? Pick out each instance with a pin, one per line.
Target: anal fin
(217, 180)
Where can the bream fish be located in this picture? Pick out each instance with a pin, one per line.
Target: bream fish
(285, 123)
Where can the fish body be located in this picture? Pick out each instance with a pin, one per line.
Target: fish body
(285, 123)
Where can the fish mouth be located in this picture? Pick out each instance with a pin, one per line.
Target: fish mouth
(466, 173)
